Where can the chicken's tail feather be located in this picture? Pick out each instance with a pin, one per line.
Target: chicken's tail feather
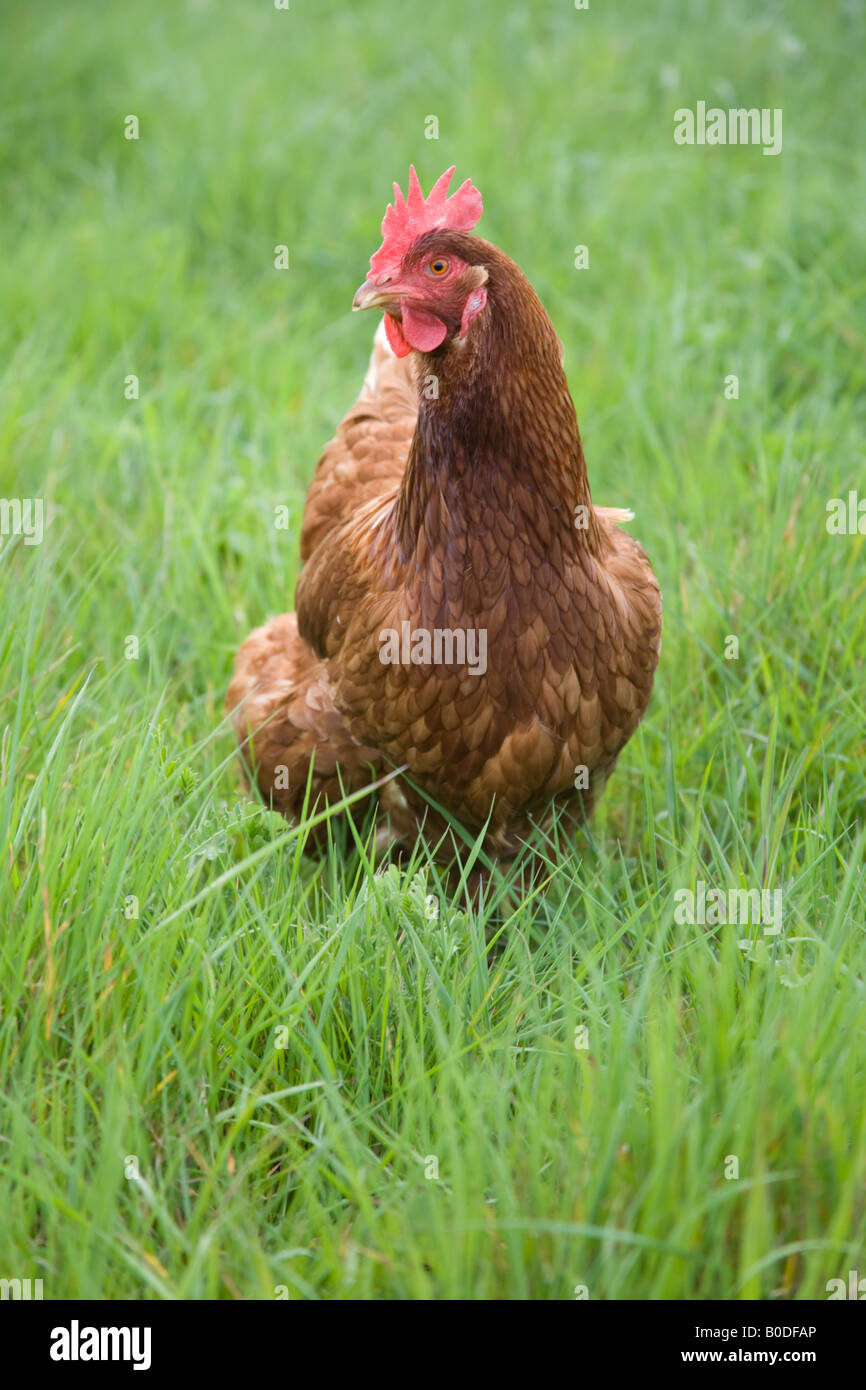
(618, 515)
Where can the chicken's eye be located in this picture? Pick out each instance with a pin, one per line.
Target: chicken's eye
(439, 266)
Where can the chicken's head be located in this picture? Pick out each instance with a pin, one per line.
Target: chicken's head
(426, 290)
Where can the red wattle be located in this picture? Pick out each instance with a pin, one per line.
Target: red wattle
(422, 329)
(396, 341)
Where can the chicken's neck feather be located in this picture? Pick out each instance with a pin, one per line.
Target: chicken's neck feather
(496, 442)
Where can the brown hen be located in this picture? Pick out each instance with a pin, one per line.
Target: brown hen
(464, 612)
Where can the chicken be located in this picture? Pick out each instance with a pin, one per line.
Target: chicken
(464, 614)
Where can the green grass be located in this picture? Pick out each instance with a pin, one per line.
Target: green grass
(416, 1030)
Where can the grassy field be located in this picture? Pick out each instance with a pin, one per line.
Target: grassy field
(229, 1068)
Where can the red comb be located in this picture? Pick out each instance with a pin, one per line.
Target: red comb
(408, 218)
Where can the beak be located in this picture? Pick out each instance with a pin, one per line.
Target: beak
(370, 296)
